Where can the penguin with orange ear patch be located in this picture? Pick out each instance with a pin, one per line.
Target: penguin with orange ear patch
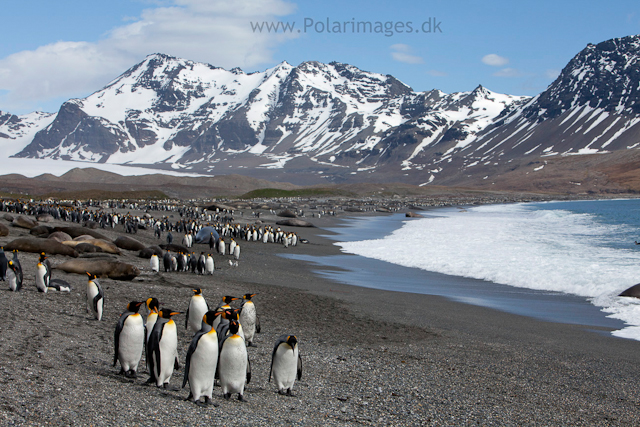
(128, 340)
(162, 349)
(95, 297)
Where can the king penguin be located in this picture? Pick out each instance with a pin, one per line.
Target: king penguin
(209, 265)
(202, 361)
(42, 279)
(236, 252)
(128, 340)
(44, 261)
(197, 308)
(249, 319)
(154, 263)
(14, 276)
(286, 364)
(224, 304)
(162, 348)
(95, 297)
(234, 367)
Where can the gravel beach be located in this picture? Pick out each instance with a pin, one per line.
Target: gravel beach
(370, 357)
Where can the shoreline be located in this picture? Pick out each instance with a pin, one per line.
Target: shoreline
(370, 357)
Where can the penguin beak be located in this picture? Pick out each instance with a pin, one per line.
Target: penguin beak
(173, 313)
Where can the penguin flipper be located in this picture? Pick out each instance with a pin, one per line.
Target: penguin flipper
(186, 318)
(190, 351)
(116, 336)
(281, 339)
(299, 373)
(153, 349)
(248, 370)
(257, 324)
(98, 297)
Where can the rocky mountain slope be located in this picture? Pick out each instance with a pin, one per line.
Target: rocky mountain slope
(334, 123)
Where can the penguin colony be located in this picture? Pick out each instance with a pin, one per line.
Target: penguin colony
(218, 353)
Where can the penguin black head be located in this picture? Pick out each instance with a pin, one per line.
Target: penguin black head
(197, 291)
(210, 316)
(153, 304)
(134, 306)
(227, 299)
(292, 341)
(166, 313)
(233, 327)
(231, 314)
(248, 296)
(42, 256)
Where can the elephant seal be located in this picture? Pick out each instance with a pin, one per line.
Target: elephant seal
(59, 236)
(295, 222)
(7, 217)
(633, 291)
(147, 252)
(48, 246)
(79, 231)
(24, 222)
(287, 214)
(91, 225)
(412, 215)
(115, 270)
(41, 231)
(128, 243)
(44, 218)
(83, 238)
(104, 245)
(84, 248)
(175, 248)
(4, 230)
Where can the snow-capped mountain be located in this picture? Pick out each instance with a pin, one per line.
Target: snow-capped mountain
(334, 122)
(16, 132)
(329, 117)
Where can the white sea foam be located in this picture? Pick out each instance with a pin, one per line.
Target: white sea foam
(518, 245)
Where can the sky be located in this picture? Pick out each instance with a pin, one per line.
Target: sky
(54, 51)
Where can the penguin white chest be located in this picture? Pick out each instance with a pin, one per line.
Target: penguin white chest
(197, 309)
(12, 279)
(202, 367)
(168, 351)
(285, 366)
(233, 365)
(131, 342)
(248, 320)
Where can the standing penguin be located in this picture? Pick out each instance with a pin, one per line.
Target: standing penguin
(3, 264)
(234, 367)
(236, 252)
(14, 276)
(128, 340)
(162, 349)
(42, 279)
(286, 364)
(209, 265)
(224, 305)
(154, 263)
(232, 246)
(221, 246)
(202, 360)
(166, 260)
(197, 308)
(201, 263)
(44, 261)
(249, 319)
(95, 297)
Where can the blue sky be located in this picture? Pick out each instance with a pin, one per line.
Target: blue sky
(53, 51)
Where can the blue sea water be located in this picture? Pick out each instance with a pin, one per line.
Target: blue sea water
(556, 261)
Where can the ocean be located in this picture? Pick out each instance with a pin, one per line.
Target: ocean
(556, 261)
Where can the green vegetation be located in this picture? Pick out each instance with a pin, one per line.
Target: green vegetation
(271, 193)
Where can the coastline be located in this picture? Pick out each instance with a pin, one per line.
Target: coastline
(371, 357)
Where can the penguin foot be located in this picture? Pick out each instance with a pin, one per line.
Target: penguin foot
(282, 392)
(169, 387)
(251, 345)
(290, 393)
(190, 398)
(241, 398)
(208, 401)
(227, 396)
(201, 403)
(131, 374)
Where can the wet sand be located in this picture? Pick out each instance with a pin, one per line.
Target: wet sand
(370, 357)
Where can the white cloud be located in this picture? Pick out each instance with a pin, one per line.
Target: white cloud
(402, 53)
(508, 72)
(495, 60)
(213, 31)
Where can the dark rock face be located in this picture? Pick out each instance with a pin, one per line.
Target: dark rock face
(336, 123)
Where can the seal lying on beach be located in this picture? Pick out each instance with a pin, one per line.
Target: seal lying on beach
(33, 245)
(4, 230)
(79, 231)
(294, 222)
(128, 243)
(24, 222)
(115, 270)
